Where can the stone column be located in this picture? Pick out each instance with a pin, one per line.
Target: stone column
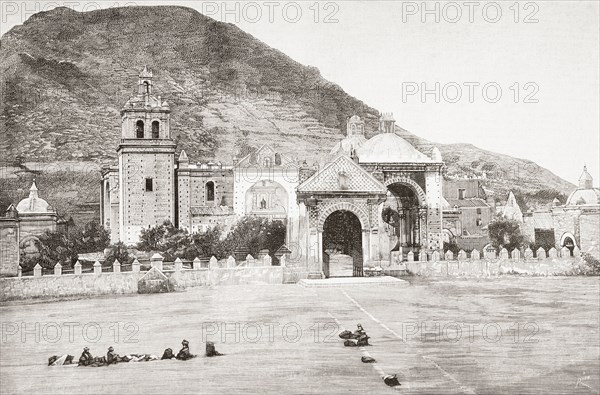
(178, 264)
(364, 239)
(157, 261)
(402, 227)
(196, 264)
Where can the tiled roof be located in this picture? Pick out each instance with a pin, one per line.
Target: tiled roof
(328, 179)
(542, 220)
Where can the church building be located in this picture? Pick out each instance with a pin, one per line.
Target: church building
(376, 200)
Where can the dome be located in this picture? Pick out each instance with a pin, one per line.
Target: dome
(33, 203)
(581, 197)
(390, 148)
(355, 118)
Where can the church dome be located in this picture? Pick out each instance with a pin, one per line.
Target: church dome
(580, 197)
(390, 148)
(33, 203)
(586, 194)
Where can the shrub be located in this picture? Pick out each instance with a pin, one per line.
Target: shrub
(54, 247)
(591, 266)
(452, 247)
(118, 251)
(505, 233)
(250, 233)
(254, 234)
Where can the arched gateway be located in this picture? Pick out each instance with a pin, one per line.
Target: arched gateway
(342, 245)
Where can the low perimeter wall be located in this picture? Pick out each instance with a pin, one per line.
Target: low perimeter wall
(110, 283)
(484, 268)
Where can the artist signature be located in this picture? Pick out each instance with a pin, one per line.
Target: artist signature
(581, 381)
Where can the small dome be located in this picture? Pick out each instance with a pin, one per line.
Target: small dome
(581, 197)
(33, 203)
(390, 148)
(355, 118)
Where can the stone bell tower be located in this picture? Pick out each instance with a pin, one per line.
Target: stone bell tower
(146, 162)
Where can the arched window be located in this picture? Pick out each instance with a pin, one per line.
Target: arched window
(210, 191)
(267, 162)
(146, 87)
(139, 129)
(278, 159)
(155, 129)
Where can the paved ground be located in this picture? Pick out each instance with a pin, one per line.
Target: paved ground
(555, 350)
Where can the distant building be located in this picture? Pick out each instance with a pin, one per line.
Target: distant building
(575, 225)
(467, 212)
(511, 210)
(22, 225)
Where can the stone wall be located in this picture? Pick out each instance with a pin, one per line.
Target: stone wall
(486, 268)
(58, 285)
(489, 263)
(589, 234)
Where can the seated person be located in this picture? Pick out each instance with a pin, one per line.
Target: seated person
(86, 358)
(359, 332)
(111, 356)
(184, 353)
(363, 340)
(168, 354)
(211, 351)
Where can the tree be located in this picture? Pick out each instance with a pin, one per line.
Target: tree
(505, 233)
(118, 251)
(250, 233)
(92, 238)
(254, 234)
(452, 246)
(54, 247)
(155, 238)
(206, 244)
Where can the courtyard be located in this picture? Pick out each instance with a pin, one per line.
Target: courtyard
(484, 336)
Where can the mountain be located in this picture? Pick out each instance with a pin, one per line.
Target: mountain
(64, 76)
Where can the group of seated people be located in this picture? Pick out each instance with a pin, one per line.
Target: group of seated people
(357, 339)
(111, 358)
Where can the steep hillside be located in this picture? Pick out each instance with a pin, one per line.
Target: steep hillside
(64, 76)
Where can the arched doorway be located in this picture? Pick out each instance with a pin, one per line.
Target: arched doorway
(402, 213)
(569, 243)
(342, 245)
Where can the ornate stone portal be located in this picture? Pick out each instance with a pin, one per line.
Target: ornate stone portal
(388, 188)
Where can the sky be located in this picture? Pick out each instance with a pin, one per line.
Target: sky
(518, 78)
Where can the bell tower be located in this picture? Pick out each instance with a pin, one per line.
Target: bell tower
(146, 162)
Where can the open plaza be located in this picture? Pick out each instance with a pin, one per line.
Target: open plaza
(446, 335)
